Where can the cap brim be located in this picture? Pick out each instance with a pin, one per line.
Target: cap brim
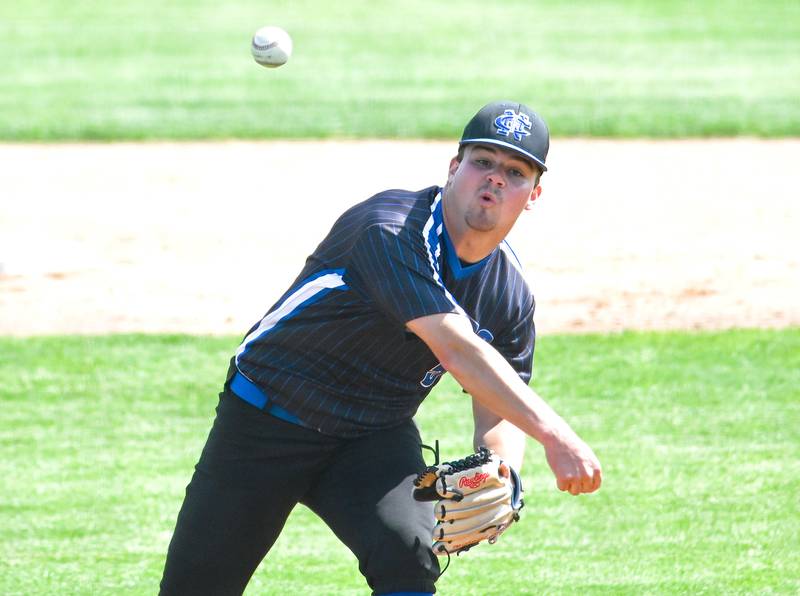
(510, 147)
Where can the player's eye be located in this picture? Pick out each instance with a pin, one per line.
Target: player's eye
(482, 162)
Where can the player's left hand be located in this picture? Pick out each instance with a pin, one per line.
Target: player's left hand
(478, 498)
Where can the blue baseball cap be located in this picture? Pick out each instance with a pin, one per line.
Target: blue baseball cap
(512, 126)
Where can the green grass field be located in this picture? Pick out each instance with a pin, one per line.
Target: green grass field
(699, 435)
(412, 69)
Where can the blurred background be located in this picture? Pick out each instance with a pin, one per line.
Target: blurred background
(672, 229)
(86, 70)
(158, 190)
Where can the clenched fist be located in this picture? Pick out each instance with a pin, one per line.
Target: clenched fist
(576, 467)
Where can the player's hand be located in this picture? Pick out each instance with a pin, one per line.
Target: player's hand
(576, 467)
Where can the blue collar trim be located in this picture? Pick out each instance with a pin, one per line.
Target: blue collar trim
(460, 271)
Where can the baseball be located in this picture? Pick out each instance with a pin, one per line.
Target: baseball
(271, 46)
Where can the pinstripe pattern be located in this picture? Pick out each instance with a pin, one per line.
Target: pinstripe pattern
(334, 349)
(310, 291)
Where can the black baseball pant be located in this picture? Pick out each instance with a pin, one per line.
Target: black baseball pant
(255, 468)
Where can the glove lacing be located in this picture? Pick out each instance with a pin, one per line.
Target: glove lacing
(471, 461)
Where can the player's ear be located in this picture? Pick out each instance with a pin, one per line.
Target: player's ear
(454, 163)
(535, 193)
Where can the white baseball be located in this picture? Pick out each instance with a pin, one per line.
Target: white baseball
(271, 46)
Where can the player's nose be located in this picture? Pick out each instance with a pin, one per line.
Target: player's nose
(496, 178)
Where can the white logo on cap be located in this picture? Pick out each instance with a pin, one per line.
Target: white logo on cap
(511, 122)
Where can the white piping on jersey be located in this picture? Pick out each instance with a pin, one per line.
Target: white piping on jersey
(433, 257)
(512, 256)
(304, 293)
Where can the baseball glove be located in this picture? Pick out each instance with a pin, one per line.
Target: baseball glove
(478, 498)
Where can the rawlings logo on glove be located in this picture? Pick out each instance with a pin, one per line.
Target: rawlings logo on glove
(478, 498)
(472, 483)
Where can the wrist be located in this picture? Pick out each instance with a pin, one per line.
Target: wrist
(556, 435)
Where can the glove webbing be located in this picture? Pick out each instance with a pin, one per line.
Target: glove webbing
(471, 461)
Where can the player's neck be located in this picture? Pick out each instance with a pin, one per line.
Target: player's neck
(472, 250)
(471, 245)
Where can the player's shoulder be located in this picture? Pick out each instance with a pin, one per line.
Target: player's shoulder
(513, 270)
(388, 213)
(396, 206)
(507, 255)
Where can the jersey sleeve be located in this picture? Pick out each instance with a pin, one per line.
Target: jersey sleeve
(517, 343)
(397, 271)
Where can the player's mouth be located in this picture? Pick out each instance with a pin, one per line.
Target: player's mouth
(488, 198)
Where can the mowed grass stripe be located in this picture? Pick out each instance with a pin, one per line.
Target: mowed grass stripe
(411, 69)
(697, 432)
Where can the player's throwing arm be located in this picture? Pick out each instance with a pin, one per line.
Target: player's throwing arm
(485, 374)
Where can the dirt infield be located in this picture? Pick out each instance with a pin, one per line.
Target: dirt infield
(203, 237)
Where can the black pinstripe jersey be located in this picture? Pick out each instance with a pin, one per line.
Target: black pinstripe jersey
(334, 349)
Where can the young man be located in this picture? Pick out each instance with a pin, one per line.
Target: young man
(318, 404)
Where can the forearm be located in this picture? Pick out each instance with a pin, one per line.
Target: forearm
(494, 384)
(486, 375)
(575, 466)
(499, 435)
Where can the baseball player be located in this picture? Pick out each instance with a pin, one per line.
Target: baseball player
(319, 399)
